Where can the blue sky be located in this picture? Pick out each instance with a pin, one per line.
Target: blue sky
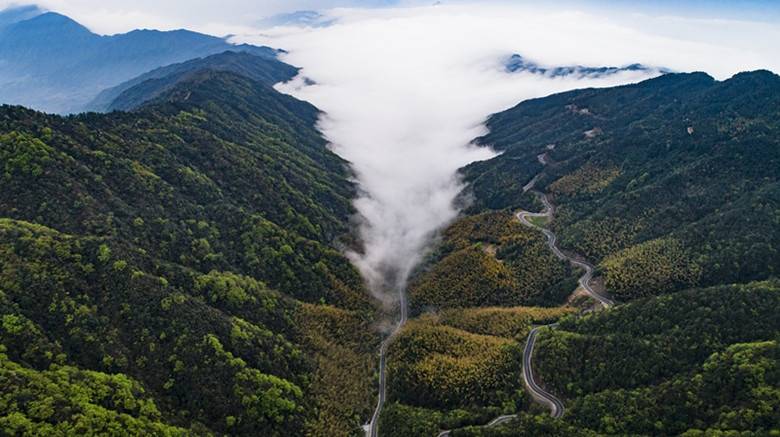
(111, 16)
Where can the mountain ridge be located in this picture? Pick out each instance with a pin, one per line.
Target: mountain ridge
(55, 64)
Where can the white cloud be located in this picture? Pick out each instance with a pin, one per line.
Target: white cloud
(405, 90)
(218, 17)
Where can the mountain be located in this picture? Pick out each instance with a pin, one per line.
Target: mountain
(147, 86)
(519, 64)
(173, 270)
(669, 188)
(296, 19)
(15, 14)
(672, 162)
(55, 64)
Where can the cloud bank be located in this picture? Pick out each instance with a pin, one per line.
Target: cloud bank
(406, 90)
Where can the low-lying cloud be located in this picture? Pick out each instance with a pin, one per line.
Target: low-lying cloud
(406, 90)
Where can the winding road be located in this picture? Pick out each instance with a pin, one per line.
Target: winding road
(539, 394)
(372, 428)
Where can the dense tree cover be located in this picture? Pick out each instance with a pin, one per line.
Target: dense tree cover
(183, 256)
(491, 259)
(511, 322)
(677, 158)
(65, 400)
(440, 366)
(699, 362)
(650, 268)
(673, 333)
(668, 184)
(458, 367)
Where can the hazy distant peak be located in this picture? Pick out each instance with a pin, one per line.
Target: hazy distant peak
(15, 14)
(296, 19)
(517, 63)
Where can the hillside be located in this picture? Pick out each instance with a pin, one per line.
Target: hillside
(676, 175)
(670, 187)
(54, 64)
(173, 270)
(148, 86)
(708, 366)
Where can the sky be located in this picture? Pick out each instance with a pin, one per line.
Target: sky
(228, 16)
(405, 88)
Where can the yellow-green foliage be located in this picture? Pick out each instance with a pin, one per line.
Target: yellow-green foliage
(341, 384)
(502, 322)
(589, 178)
(64, 400)
(488, 228)
(650, 268)
(21, 153)
(598, 238)
(441, 366)
(518, 267)
(468, 277)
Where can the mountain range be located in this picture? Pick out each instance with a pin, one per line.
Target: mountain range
(174, 262)
(518, 64)
(54, 64)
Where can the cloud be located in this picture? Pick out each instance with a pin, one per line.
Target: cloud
(218, 17)
(406, 90)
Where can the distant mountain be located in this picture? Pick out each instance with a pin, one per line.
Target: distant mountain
(296, 19)
(517, 63)
(16, 14)
(148, 86)
(52, 63)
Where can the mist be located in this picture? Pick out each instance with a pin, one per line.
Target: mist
(405, 91)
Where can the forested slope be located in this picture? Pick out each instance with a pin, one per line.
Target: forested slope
(174, 269)
(699, 362)
(669, 186)
(668, 183)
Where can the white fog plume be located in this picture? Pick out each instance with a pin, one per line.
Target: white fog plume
(406, 90)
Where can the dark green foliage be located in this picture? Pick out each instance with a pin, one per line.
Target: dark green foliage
(170, 249)
(662, 208)
(673, 333)
(640, 175)
(696, 359)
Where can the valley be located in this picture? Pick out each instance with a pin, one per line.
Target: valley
(237, 243)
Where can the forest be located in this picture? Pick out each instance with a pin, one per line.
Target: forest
(668, 184)
(173, 270)
(670, 187)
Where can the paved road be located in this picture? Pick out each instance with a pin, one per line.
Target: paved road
(552, 241)
(538, 393)
(372, 428)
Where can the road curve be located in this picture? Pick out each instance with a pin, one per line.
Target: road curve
(552, 242)
(373, 425)
(538, 393)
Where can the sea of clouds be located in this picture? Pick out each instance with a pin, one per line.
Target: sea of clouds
(405, 91)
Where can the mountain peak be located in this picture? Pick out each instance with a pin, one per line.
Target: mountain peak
(517, 64)
(15, 14)
(47, 23)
